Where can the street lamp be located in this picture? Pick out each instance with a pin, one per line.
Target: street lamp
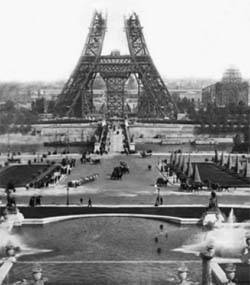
(67, 201)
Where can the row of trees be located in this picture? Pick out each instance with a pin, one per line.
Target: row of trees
(15, 119)
(212, 114)
(237, 113)
(41, 106)
(216, 120)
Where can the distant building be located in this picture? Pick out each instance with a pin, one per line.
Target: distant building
(48, 93)
(190, 94)
(24, 106)
(231, 89)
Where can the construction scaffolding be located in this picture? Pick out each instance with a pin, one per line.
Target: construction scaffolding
(76, 98)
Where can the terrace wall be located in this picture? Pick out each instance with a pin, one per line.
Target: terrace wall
(183, 132)
(182, 211)
(64, 132)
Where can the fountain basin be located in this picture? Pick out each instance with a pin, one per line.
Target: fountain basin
(106, 249)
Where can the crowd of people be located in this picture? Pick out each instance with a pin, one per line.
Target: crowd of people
(54, 174)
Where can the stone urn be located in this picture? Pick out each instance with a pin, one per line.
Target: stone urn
(206, 256)
(10, 251)
(37, 272)
(182, 275)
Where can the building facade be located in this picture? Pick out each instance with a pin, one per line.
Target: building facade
(231, 89)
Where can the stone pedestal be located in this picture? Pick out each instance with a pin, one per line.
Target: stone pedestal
(230, 273)
(207, 257)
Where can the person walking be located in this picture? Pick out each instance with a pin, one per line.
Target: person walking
(89, 203)
(161, 200)
(213, 203)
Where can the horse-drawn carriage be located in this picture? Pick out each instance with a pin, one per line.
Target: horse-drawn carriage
(124, 167)
(162, 182)
(194, 186)
(117, 173)
(145, 154)
(91, 158)
(84, 180)
(95, 161)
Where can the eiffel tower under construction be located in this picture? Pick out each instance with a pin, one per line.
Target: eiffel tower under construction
(76, 98)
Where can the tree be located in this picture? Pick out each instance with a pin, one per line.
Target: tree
(12, 118)
(38, 106)
(51, 106)
(9, 106)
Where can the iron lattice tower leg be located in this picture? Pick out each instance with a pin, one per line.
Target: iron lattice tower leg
(154, 100)
(76, 97)
(115, 96)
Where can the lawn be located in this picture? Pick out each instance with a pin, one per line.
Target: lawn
(214, 174)
(21, 175)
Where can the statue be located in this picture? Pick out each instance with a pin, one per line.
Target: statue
(207, 256)
(11, 201)
(246, 251)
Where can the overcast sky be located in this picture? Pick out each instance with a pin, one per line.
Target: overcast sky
(43, 39)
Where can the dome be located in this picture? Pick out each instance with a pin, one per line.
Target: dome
(115, 52)
(231, 75)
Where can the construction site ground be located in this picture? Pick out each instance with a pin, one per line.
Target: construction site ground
(137, 187)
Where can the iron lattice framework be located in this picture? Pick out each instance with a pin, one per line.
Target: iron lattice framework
(154, 99)
(76, 97)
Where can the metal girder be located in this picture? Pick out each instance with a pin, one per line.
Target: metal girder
(155, 101)
(77, 88)
(110, 66)
(115, 96)
(76, 98)
(115, 71)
